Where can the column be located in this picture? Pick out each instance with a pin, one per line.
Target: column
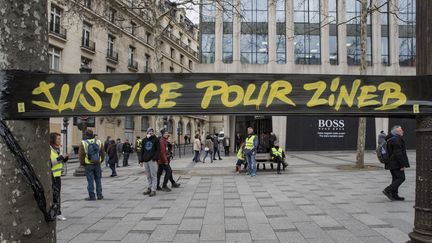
(272, 32)
(279, 124)
(376, 36)
(218, 34)
(236, 32)
(325, 34)
(290, 34)
(342, 33)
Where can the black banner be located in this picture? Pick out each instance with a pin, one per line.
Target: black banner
(33, 95)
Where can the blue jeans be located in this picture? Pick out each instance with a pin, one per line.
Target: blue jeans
(207, 153)
(196, 157)
(250, 159)
(93, 174)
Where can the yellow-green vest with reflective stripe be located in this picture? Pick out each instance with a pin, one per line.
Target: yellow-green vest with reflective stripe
(138, 145)
(85, 145)
(277, 152)
(240, 154)
(250, 142)
(58, 168)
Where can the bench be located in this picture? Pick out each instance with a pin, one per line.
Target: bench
(263, 158)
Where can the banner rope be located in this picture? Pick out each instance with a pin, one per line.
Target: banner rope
(28, 172)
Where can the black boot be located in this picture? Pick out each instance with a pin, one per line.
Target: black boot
(388, 195)
(397, 198)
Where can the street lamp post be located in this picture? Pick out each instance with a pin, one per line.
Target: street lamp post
(65, 139)
(80, 171)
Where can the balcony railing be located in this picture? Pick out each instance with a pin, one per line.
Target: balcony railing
(133, 65)
(56, 29)
(88, 44)
(112, 55)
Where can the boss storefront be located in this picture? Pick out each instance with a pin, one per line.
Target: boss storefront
(326, 133)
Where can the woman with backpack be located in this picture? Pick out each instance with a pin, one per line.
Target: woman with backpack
(208, 149)
(112, 157)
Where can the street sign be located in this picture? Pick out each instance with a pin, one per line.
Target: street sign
(34, 95)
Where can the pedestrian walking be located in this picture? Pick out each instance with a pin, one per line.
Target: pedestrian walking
(398, 162)
(240, 158)
(216, 149)
(119, 149)
(251, 145)
(113, 158)
(197, 149)
(226, 145)
(150, 152)
(278, 156)
(165, 158)
(381, 137)
(91, 154)
(57, 161)
(127, 149)
(106, 144)
(208, 148)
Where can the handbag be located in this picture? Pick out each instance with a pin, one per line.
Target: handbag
(206, 149)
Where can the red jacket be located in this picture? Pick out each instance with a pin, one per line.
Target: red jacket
(163, 159)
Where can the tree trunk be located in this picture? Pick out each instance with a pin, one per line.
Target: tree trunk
(361, 139)
(422, 231)
(24, 46)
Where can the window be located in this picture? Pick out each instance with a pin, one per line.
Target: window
(227, 46)
(87, 28)
(190, 64)
(407, 32)
(172, 69)
(181, 59)
(170, 126)
(384, 21)
(110, 69)
(353, 33)
(146, 63)
(54, 58)
(131, 3)
(131, 58)
(55, 19)
(129, 122)
(207, 25)
(110, 47)
(307, 43)
(132, 28)
(180, 127)
(280, 32)
(111, 15)
(144, 123)
(88, 3)
(148, 37)
(254, 32)
(172, 53)
(333, 38)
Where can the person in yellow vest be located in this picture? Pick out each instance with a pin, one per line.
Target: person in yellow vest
(91, 154)
(138, 147)
(251, 145)
(57, 160)
(278, 156)
(240, 158)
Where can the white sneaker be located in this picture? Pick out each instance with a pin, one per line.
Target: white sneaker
(61, 217)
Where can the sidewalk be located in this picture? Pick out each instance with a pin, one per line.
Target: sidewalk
(313, 201)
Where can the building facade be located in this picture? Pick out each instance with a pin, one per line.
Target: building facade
(306, 37)
(89, 36)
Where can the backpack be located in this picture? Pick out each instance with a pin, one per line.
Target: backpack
(93, 151)
(169, 151)
(382, 152)
(147, 146)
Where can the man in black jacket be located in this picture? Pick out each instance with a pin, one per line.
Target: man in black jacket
(150, 155)
(398, 161)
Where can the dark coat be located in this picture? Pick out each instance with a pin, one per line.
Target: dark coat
(150, 150)
(112, 154)
(397, 150)
(127, 148)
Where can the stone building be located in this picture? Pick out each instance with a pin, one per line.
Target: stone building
(306, 37)
(95, 36)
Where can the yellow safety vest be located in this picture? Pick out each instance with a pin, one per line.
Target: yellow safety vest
(277, 152)
(58, 168)
(240, 154)
(250, 142)
(85, 145)
(138, 144)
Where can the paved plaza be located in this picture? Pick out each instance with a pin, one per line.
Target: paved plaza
(319, 198)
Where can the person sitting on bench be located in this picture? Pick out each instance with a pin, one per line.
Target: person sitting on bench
(278, 156)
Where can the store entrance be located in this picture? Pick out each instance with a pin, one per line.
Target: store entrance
(262, 126)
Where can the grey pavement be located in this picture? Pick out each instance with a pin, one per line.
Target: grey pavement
(319, 198)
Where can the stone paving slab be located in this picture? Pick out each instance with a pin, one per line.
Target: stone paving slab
(312, 201)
